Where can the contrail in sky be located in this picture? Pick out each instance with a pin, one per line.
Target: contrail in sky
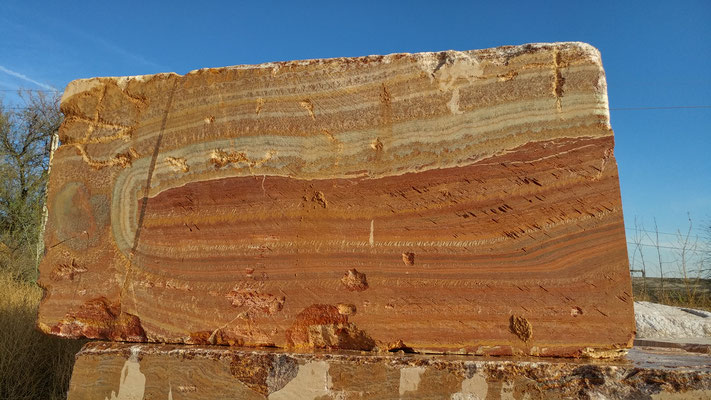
(93, 37)
(121, 51)
(26, 78)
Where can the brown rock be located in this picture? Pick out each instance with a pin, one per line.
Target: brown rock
(322, 326)
(440, 194)
(99, 319)
(521, 327)
(355, 281)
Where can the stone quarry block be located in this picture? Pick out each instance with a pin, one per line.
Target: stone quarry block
(159, 371)
(463, 202)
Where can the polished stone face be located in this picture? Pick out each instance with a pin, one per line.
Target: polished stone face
(460, 202)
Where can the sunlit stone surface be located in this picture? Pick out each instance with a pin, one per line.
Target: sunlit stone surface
(462, 202)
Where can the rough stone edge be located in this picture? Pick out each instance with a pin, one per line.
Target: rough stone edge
(85, 84)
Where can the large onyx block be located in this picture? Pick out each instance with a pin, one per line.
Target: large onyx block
(460, 202)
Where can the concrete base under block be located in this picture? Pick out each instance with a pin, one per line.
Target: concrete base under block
(694, 345)
(152, 371)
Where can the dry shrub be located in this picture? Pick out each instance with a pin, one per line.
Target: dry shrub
(32, 364)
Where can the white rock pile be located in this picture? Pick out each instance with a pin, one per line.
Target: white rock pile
(658, 321)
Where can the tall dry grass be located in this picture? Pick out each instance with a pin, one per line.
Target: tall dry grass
(681, 264)
(32, 364)
(677, 292)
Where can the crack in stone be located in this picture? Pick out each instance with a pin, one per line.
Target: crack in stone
(144, 201)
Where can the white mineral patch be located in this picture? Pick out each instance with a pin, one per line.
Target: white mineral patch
(371, 240)
(658, 321)
(312, 381)
(474, 388)
(133, 383)
(410, 379)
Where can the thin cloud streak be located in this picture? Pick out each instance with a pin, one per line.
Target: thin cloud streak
(106, 45)
(124, 53)
(26, 78)
(98, 41)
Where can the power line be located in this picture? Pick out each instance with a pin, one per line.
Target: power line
(670, 247)
(665, 233)
(611, 109)
(16, 108)
(656, 108)
(31, 90)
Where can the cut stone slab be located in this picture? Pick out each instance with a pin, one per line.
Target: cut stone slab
(693, 345)
(462, 202)
(158, 371)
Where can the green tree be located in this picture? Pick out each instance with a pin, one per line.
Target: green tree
(26, 134)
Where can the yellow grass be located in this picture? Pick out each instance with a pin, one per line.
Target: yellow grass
(32, 364)
(678, 292)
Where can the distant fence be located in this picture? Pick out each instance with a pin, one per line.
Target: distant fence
(693, 292)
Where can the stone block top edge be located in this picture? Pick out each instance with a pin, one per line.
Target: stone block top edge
(425, 59)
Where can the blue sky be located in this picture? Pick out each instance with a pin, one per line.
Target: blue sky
(656, 54)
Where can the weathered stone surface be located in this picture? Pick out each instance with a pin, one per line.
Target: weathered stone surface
(460, 202)
(156, 371)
